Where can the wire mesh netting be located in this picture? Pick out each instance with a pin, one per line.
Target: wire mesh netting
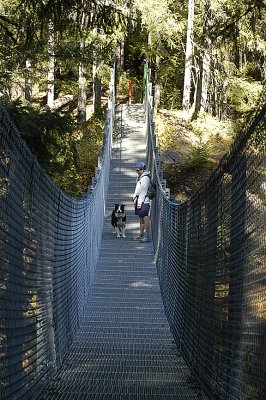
(210, 255)
(49, 245)
(209, 252)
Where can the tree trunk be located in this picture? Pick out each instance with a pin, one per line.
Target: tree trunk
(188, 62)
(201, 98)
(97, 95)
(157, 84)
(120, 55)
(202, 85)
(82, 96)
(28, 88)
(82, 90)
(198, 88)
(51, 66)
(205, 80)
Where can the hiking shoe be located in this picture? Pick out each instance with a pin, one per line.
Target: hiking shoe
(145, 240)
(137, 238)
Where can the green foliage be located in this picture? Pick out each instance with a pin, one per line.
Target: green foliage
(68, 152)
(243, 94)
(43, 130)
(172, 81)
(103, 72)
(161, 22)
(201, 144)
(235, 33)
(206, 126)
(89, 148)
(49, 135)
(213, 138)
(66, 86)
(202, 148)
(123, 86)
(200, 154)
(166, 132)
(135, 46)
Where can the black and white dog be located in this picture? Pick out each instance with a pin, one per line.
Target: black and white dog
(118, 220)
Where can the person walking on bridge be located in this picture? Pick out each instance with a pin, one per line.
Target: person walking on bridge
(142, 202)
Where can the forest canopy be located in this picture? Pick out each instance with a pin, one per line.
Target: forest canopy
(206, 57)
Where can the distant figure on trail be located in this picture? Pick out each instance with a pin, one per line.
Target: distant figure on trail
(142, 202)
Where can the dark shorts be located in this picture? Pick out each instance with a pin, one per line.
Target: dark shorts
(143, 211)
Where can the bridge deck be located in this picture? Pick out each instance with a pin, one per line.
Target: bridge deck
(124, 348)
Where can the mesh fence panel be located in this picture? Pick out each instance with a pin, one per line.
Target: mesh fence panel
(49, 245)
(210, 256)
(209, 251)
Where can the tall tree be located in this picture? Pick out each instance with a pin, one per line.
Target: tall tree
(164, 29)
(204, 64)
(188, 62)
(28, 83)
(82, 87)
(51, 65)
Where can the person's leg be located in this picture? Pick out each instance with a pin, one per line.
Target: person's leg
(147, 226)
(141, 229)
(146, 238)
(141, 226)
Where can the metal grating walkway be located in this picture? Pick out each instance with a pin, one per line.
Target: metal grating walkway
(124, 348)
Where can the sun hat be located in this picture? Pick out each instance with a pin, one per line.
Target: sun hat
(140, 165)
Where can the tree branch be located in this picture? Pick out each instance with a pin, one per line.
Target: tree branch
(228, 27)
(5, 28)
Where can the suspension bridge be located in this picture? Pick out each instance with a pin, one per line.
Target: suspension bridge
(86, 315)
